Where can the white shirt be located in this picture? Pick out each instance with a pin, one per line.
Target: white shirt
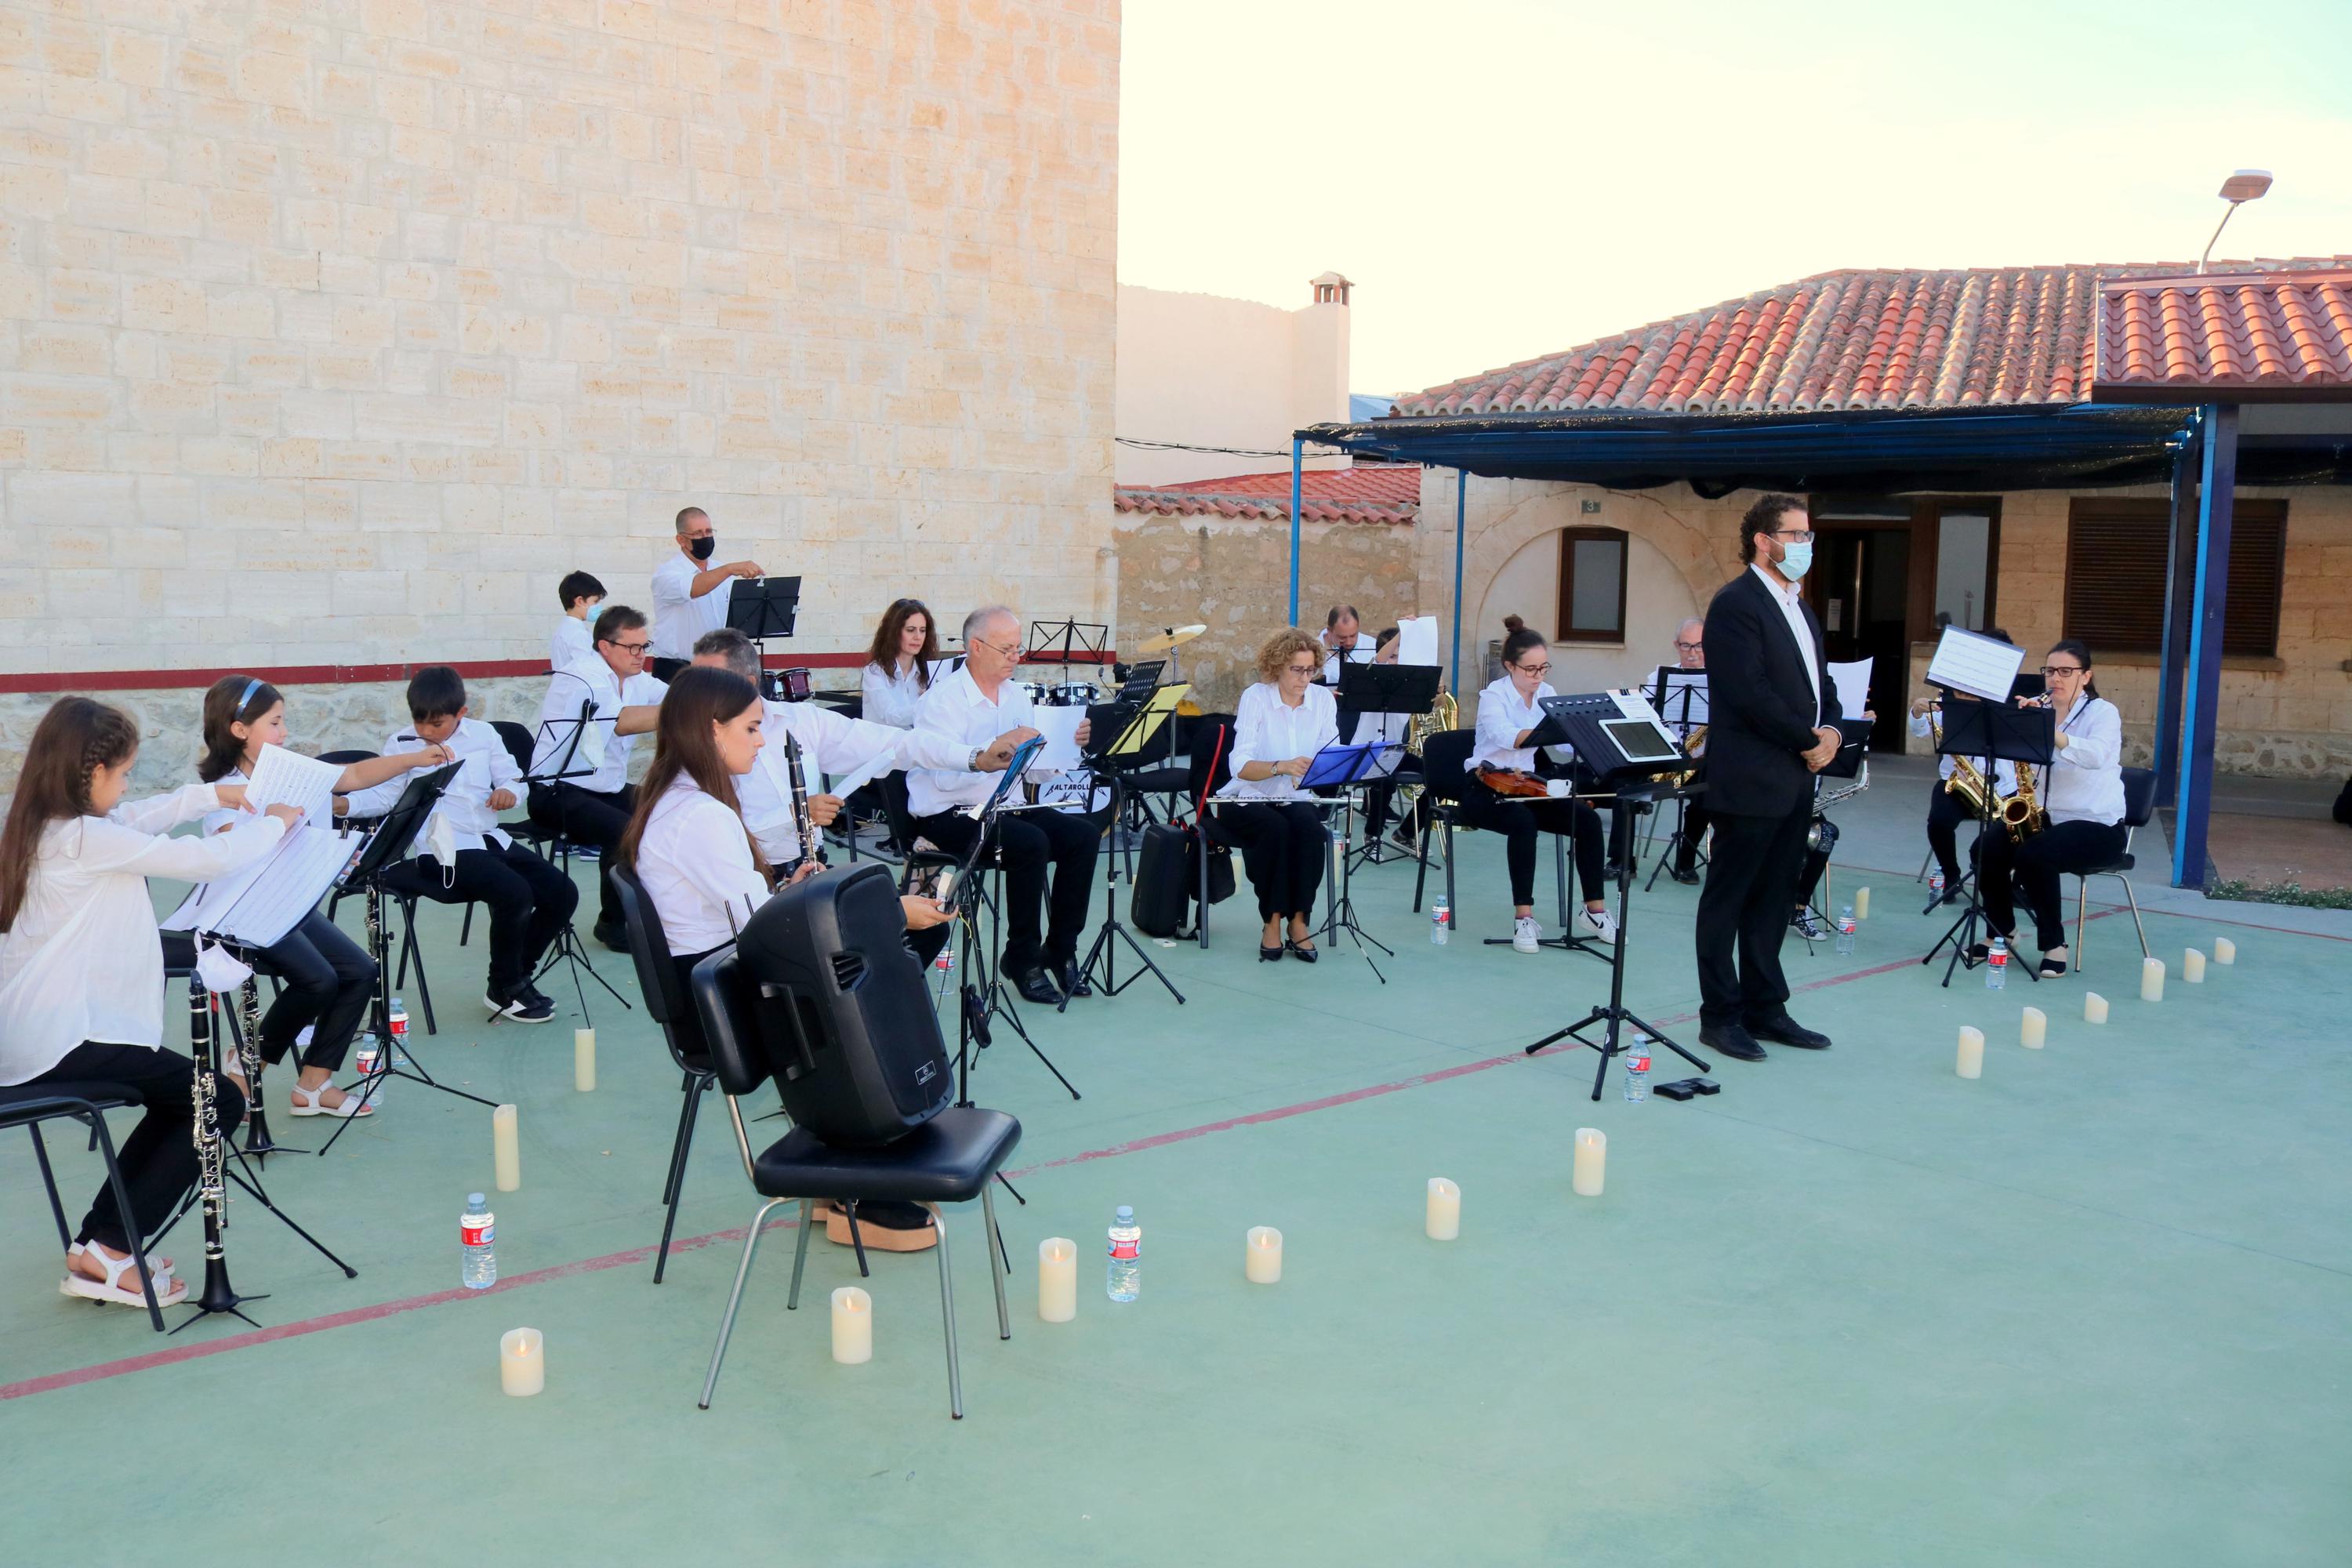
(488, 767)
(678, 616)
(577, 682)
(955, 711)
(1502, 714)
(83, 962)
(1269, 730)
(2004, 771)
(890, 697)
(696, 867)
(1360, 653)
(573, 638)
(831, 743)
(1791, 601)
(2087, 783)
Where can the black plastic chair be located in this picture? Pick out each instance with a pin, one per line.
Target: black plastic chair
(666, 1002)
(1444, 774)
(2139, 809)
(951, 1158)
(28, 1105)
(1210, 766)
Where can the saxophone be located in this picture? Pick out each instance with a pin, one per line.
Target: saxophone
(1694, 748)
(1965, 782)
(2021, 814)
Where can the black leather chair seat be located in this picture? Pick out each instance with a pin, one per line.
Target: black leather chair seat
(947, 1160)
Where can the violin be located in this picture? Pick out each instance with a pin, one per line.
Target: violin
(1512, 781)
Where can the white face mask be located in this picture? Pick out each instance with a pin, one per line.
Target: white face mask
(1796, 560)
(441, 840)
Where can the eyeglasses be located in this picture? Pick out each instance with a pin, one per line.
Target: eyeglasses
(1543, 669)
(2050, 670)
(1014, 652)
(632, 646)
(1681, 647)
(1302, 668)
(1803, 536)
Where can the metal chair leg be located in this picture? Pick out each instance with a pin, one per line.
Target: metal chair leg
(678, 1141)
(130, 1222)
(1421, 872)
(735, 1298)
(684, 1146)
(2082, 904)
(800, 1253)
(49, 1180)
(2134, 899)
(1559, 874)
(1453, 909)
(408, 946)
(466, 931)
(946, 1316)
(988, 1212)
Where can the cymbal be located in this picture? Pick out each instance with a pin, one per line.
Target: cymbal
(1175, 637)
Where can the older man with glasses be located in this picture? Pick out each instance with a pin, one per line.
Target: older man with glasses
(1690, 653)
(580, 770)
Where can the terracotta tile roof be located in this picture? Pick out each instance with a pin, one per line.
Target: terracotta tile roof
(1371, 493)
(1852, 340)
(2262, 334)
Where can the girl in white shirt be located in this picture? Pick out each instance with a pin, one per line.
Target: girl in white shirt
(1510, 711)
(2083, 791)
(898, 665)
(81, 969)
(1278, 726)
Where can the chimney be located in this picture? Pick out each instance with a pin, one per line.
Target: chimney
(1331, 290)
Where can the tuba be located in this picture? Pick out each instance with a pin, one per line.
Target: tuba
(1443, 714)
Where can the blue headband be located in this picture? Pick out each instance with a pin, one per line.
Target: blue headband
(250, 688)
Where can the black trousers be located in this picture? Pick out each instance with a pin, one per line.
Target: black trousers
(1946, 811)
(587, 816)
(1695, 817)
(1743, 916)
(1809, 877)
(1519, 820)
(328, 979)
(1380, 798)
(529, 899)
(1027, 842)
(2006, 869)
(1283, 845)
(159, 1158)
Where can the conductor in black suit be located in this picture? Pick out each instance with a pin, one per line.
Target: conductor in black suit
(1771, 712)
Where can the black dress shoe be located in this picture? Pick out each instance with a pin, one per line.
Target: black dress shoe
(1268, 954)
(1072, 979)
(1730, 1040)
(1035, 986)
(1687, 874)
(614, 936)
(1300, 951)
(1786, 1031)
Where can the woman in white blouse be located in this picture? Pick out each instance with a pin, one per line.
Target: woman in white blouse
(1278, 726)
(81, 969)
(2083, 791)
(898, 665)
(1509, 712)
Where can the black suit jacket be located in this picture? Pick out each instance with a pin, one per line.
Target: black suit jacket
(1759, 703)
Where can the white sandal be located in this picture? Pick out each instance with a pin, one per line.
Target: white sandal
(306, 1103)
(169, 1292)
(162, 1273)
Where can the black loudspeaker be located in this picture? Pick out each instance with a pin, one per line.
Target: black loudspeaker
(843, 1012)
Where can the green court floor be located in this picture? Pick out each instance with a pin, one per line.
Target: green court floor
(2091, 1309)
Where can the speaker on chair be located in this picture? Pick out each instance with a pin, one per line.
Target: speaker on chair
(843, 1015)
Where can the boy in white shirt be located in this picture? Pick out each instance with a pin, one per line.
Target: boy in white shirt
(580, 595)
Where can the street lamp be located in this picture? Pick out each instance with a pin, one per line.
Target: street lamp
(2245, 185)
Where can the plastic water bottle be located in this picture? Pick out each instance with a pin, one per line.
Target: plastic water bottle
(1997, 964)
(1125, 1281)
(398, 1027)
(1637, 1068)
(368, 1061)
(945, 962)
(477, 1229)
(1936, 884)
(1441, 921)
(1845, 930)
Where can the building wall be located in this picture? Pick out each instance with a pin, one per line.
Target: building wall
(1206, 370)
(336, 333)
(1658, 598)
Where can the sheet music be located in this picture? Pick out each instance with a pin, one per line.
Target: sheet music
(1138, 733)
(1385, 761)
(881, 763)
(1074, 791)
(1060, 728)
(260, 904)
(1635, 703)
(1972, 662)
(1417, 640)
(288, 778)
(1852, 683)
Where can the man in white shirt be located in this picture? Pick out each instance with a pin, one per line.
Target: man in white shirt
(579, 594)
(690, 595)
(1690, 653)
(1343, 638)
(982, 709)
(591, 801)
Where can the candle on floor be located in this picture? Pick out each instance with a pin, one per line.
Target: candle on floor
(522, 1362)
(1971, 1062)
(2094, 1007)
(1444, 1220)
(505, 1154)
(1057, 1280)
(2036, 1030)
(2224, 951)
(853, 1326)
(2151, 980)
(1592, 1162)
(1862, 904)
(583, 1059)
(1261, 1254)
(2192, 967)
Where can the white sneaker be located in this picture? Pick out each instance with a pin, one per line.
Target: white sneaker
(1527, 934)
(1601, 925)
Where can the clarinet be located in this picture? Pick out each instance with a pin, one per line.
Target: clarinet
(812, 843)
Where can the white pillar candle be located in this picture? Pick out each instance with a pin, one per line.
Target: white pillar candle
(1261, 1254)
(1057, 1280)
(1592, 1162)
(583, 1059)
(2192, 967)
(2036, 1030)
(522, 1362)
(1862, 904)
(504, 1152)
(1971, 1062)
(853, 1326)
(2224, 951)
(2151, 980)
(2094, 1007)
(1444, 1220)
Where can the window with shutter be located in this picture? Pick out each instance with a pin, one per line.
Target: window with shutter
(2115, 558)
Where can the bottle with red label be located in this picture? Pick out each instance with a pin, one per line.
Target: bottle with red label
(477, 1229)
(1125, 1280)
(396, 1025)
(1637, 1066)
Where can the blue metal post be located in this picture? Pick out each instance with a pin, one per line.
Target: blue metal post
(2173, 655)
(1461, 509)
(1297, 450)
(2206, 622)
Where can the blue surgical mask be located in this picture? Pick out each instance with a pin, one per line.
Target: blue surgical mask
(1796, 560)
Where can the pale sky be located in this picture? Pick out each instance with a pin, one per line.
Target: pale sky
(1507, 178)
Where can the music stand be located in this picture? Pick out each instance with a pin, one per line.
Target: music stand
(1342, 765)
(761, 607)
(1067, 642)
(1135, 722)
(1407, 689)
(1680, 697)
(1982, 731)
(564, 765)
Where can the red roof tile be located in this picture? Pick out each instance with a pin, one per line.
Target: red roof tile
(1852, 340)
(1371, 493)
(2259, 334)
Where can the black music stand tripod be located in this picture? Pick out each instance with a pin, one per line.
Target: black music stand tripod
(1673, 699)
(1384, 688)
(1132, 735)
(1982, 731)
(566, 948)
(1343, 766)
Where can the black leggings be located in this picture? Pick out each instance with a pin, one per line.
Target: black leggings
(1519, 820)
(1283, 845)
(159, 1158)
(328, 980)
(1379, 797)
(1946, 811)
(2035, 867)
